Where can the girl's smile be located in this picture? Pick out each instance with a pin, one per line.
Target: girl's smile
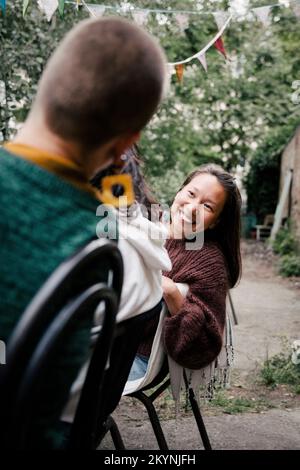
(197, 205)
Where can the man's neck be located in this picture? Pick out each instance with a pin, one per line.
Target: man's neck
(35, 133)
(40, 137)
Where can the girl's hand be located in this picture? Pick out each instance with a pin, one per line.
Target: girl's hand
(172, 295)
(168, 286)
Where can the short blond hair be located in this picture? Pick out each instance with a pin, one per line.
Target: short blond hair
(105, 79)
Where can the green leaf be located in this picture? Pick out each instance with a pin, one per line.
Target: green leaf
(61, 7)
(25, 6)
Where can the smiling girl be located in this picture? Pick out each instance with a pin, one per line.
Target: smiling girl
(208, 201)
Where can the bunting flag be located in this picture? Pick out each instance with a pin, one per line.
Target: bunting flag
(61, 7)
(262, 14)
(220, 18)
(140, 17)
(2, 6)
(179, 68)
(183, 21)
(49, 7)
(25, 6)
(202, 58)
(219, 45)
(205, 49)
(237, 10)
(95, 10)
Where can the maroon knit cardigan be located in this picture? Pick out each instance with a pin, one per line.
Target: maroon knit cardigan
(193, 336)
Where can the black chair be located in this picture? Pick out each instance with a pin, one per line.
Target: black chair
(67, 300)
(234, 315)
(127, 337)
(162, 382)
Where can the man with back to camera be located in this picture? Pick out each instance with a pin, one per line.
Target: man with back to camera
(99, 89)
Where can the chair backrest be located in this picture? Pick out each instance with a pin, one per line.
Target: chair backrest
(127, 337)
(64, 306)
(269, 220)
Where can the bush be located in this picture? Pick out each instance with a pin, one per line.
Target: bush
(262, 180)
(280, 370)
(286, 247)
(233, 405)
(284, 243)
(290, 265)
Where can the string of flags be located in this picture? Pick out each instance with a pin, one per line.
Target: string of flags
(217, 42)
(140, 16)
(222, 19)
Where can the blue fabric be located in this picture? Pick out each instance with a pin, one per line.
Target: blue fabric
(2, 5)
(138, 368)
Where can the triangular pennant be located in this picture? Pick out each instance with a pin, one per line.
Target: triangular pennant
(219, 45)
(220, 18)
(202, 58)
(140, 17)
(183, 21)
(48, 7)
(2, 6)
(97, 10)
(179, 72)
(296, 9)
(25, 6)
(262, 14)
(61, 7)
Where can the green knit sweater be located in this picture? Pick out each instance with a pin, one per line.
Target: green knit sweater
(43, 220)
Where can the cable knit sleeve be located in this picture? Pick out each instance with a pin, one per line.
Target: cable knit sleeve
(193, 336)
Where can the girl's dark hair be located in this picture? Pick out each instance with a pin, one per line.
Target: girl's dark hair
(227, 231)
(133, 166)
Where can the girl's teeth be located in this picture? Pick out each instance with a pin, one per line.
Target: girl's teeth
(185, 217)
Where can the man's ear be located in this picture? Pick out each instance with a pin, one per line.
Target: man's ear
(122, 144)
